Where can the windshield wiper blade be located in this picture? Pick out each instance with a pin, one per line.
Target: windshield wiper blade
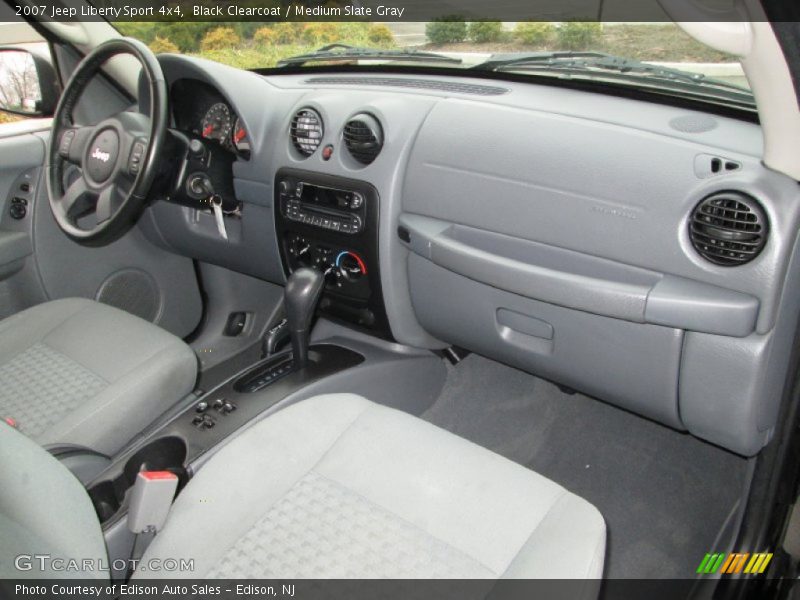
(576, 63)
(498, 61)
(336, 52)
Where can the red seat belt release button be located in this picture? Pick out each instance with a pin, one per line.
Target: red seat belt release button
(151, 499)
(11, 422)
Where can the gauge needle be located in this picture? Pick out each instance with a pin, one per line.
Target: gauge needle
(207, 131)
(239, 136)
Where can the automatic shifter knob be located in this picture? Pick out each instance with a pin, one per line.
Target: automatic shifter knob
(301, 296)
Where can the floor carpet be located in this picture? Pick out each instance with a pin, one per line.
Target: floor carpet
(664, 494)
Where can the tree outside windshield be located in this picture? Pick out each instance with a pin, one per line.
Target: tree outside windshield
(251, 45)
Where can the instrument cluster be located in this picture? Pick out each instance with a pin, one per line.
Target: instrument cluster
(201, 111)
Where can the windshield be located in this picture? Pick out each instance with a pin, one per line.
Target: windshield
(460, 45)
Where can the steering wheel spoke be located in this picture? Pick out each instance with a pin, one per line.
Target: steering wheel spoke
(73, 143)
(77, 200)
(133, 160)
(108, 203)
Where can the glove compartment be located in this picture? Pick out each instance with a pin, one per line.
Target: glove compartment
(607, 329)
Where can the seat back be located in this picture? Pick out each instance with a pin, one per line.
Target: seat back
(45, 512)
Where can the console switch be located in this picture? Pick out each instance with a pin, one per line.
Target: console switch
(223, 406)
(204, 421)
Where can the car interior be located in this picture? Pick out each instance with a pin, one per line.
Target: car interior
(397, 323)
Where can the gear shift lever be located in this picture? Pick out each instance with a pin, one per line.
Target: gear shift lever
(301, 296)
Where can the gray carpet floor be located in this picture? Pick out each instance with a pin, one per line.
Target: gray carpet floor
(664, 494)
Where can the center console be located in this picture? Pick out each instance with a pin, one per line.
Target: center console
(331, 224)
(183, 439)
(180, 440)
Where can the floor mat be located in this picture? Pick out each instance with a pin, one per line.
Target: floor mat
(664, 494)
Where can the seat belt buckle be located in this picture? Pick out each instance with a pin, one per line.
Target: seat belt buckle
(151, 499)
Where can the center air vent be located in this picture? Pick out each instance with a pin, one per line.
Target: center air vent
(307, 131)
(728, 228)
(363, 137)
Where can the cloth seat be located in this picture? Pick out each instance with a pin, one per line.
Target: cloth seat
(332, 487)
(340, 487)
(75, 371)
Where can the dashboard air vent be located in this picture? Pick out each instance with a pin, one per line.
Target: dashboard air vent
(363, 136)
(728, 228)
(307, 131)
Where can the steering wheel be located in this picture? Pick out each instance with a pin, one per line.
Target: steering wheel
(118, 157)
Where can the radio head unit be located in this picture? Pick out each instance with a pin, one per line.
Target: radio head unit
(330, 208)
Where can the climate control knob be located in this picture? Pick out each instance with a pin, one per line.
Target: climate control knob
(300, 249)
(351, 266)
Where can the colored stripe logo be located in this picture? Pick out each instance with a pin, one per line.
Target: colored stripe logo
(735, 563)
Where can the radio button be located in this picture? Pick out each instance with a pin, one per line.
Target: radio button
(357, 201)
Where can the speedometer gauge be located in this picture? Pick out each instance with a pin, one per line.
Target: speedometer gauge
(216, 123)
(239, 138)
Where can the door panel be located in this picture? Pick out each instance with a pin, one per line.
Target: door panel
(21, 157)
(131, 274)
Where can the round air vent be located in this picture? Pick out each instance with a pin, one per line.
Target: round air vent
(307, 131)
(728, 228)
(363, 136)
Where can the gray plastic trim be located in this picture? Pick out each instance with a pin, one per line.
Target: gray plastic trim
(15, 246)
(695, 306)
(581, 282)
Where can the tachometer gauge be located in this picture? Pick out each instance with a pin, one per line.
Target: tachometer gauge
(239, 138)
(216, 124)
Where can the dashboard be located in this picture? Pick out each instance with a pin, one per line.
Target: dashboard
(637, 252)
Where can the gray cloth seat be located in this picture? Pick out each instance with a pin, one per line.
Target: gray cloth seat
(332, 487)
(75, 371)
(338, 487)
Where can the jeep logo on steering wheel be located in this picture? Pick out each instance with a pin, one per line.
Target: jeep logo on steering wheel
(100, 155)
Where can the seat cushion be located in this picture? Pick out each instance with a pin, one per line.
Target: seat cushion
(75, 371)
(44, 511)
(339, 487)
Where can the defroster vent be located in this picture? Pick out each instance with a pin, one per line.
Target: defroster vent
(728, 228)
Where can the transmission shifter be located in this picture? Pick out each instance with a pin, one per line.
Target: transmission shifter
(301, 296)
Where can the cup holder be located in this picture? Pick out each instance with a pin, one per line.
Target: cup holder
(106, 499)
(163, 454)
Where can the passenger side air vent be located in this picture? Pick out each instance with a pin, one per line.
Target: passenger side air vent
(728, 228)
(363, 137)
(307, 131)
